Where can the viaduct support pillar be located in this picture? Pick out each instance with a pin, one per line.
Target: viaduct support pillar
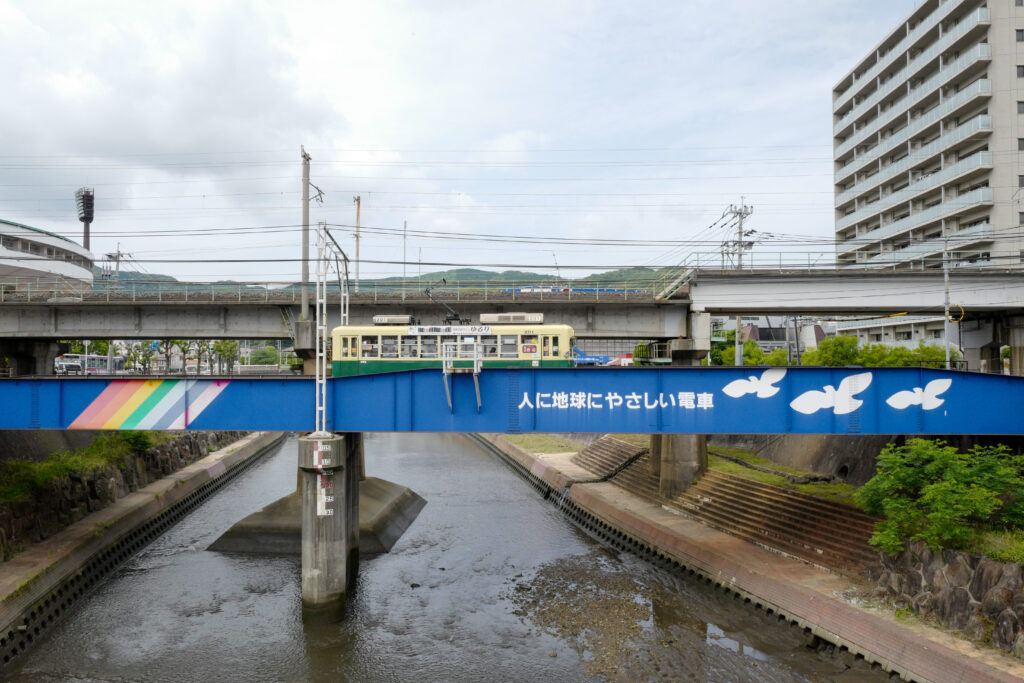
(1015, 334)
(655, 458)
(684, 458)
(329, 469)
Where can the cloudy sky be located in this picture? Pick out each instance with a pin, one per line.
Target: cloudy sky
(564, 136)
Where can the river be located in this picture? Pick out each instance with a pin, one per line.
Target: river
(491, 583)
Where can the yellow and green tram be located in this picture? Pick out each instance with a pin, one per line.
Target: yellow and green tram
(373, 349)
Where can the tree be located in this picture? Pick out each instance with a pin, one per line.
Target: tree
(97, 347)
(926, 490)
(833, 352)
(265, 356)
(225, 351)
(139, 355)
(165, 348)
(776, 357)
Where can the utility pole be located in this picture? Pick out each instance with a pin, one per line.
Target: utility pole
(945, 278)
(357, 200)
(739, 212)
(405, 229)
(796, 340)
(304, 315)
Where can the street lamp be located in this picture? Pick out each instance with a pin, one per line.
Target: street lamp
(84, 202)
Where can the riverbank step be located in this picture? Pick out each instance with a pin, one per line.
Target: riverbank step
(606, 455)
(792, 523)
(835, 515)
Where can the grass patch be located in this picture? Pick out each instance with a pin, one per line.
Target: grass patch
(20, 479)
(838, 493)
(635, 439)
(747, 455)
(543, 443)
(1003, 545)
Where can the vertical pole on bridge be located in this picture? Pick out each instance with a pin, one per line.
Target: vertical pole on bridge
(329, 469)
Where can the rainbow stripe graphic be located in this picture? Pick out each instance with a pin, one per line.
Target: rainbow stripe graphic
(149, 404)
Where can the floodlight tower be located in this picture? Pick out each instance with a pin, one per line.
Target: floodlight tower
(84, 200)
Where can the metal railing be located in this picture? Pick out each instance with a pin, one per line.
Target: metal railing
(49, 290)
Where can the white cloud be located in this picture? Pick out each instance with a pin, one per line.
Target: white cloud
(545, 118)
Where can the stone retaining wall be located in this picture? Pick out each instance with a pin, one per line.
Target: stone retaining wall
(973, 594)
(68, 499)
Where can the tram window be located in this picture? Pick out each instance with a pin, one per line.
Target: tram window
(371, 346)
(529, 342)
(344, 347)
(547, 345)
(509, 347)
(410, 346)
(389, 346)
(490, 343)
(428, 347)
(554, 346)
(452, 343)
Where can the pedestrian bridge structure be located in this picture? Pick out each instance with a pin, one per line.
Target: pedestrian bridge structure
(669, 400)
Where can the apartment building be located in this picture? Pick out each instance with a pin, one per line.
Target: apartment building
(929, 142)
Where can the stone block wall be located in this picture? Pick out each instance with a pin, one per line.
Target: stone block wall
(981, 598)
(68, 499)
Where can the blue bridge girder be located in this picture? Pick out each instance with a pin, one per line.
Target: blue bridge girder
(696, 400)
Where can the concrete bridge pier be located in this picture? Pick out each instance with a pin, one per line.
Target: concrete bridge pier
(1015, 339)
(678, 460)
(28, 357)
(330, 467)
(684, 458)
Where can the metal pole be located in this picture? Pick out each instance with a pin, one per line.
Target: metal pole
(405, 228)
(304, 315)
(945, 278)
(358, 202)
(796, 339)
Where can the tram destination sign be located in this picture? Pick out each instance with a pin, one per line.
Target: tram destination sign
(449, 329)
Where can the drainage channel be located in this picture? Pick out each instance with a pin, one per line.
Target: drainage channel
(815, 637)
(36, 619)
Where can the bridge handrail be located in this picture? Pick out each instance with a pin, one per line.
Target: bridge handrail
(48, 290)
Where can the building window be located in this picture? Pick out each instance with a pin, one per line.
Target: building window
(1020, 144)
(1020, 35)
(936, 334)
(1020, 71)
(1020, 107)
(903, 336)
(1020, 218)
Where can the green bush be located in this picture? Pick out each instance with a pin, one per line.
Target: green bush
(139, 442)
(20, 479)
(927, 490)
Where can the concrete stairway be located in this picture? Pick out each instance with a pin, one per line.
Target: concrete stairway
(831, 535)
(606, 455)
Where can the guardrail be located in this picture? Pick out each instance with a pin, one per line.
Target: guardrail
(49, 291)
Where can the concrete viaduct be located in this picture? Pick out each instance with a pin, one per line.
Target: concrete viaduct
(31, 320)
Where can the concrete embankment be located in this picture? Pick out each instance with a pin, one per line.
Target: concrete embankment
(39, 585)
(821, 603)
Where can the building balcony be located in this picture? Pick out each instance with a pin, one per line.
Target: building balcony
(977, 18)
(947, 209)
(899, 50)
(980, 88)
(932, 181)
(979, 125)
(978, 53)
(975, 234)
